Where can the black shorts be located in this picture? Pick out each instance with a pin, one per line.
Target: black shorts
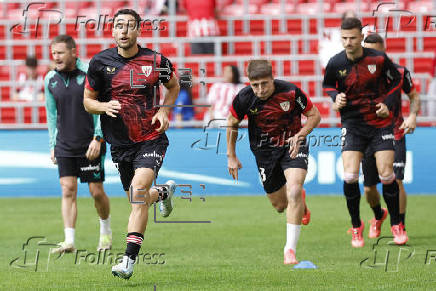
(369, 166)
(272, 164)
(88, 171)
(147, 154)
(379, 139)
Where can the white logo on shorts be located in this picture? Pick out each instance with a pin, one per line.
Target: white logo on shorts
(91, 168)
(388, 136)
(399, 165)
(158, 157)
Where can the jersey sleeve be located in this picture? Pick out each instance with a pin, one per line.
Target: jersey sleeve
(238, 110)
(393, 78)
(94, 78)
(408, 84)
(166, 70)
(329, 83)
(50, 106)
(302, 101)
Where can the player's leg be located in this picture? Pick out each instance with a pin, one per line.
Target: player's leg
(399, 166)
(102, 205)
(68, 180)
(371, 179)
(385, 160)
(351, 162)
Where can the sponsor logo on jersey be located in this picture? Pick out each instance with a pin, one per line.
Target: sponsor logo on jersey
(388, 136)
(146, 70)
(343, 73)
(90, 168)
(372, 68)
(54, 84)
(254, 111)
(301, 103)
(286, 105)
(110, 70)
(301, 155)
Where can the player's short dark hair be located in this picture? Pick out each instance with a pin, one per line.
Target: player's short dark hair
(31, 61)
(130, 12)
(258, 69)
(374, 38)
(236, 77)
(351, 23)
(63, 38)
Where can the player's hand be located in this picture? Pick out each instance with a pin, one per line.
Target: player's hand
(52, 157)
(409, 124)
(93, 150)
(341, 100)
(382, 111)
(294, 145)
(112, 107)
(233, 164)
(162, 117)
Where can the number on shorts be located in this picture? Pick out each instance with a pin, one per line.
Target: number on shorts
(262, 174)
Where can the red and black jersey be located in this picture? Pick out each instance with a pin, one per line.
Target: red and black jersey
(366, 81)
(271, 121)
(407, 87)
(134, 82)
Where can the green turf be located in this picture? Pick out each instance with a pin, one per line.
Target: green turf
(242, 249)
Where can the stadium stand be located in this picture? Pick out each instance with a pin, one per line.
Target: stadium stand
(287, 32)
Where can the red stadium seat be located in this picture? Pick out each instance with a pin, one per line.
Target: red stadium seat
(396, 44)
(5, 93)
(306, 67)
(281, 47)
(42, 114)
(424, 6)
(257, 27)
(429, 44)
(244, 48)
(8, 115)
(19, 52)
(238, 10)
(423, 65)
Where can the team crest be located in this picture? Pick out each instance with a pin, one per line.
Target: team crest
(254, 111)
(372, 68)
(285, 105)
(146, 70)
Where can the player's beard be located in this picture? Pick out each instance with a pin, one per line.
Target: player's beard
(129, 44)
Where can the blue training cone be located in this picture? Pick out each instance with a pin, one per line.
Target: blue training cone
(305, 265)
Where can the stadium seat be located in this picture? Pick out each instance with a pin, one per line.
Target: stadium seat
(238, 9)
(312, 8)
(93, 49)
(8, 115)
(19, 52)
(423, 6)
(423, 65)
(429, 44)
(42, 114)
(396, 44)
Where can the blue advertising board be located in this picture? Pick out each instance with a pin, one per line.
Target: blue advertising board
(198, 157)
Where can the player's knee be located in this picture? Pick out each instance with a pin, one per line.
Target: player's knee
(370, 191)
(387, 179)
(280, 206)
(294, 193)
(351, 178)
(96, 190)
(68, 190)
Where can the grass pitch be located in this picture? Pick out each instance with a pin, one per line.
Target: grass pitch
(241, 249)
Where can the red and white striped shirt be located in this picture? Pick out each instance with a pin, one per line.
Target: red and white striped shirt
(221, 96)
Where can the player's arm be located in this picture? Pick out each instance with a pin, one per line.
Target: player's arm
(170, 98)
(94, 146)
(233, 163)
(306, 108)
(393, 79)
(329, 85)
(93, 106)
(409, 123)
(50, 106)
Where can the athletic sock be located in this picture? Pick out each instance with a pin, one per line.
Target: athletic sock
(403, 219)
(292, 236)
(378, 212)
(69, 235)
(352, 194)
(134, 241)
(392, 199)
(105, 226)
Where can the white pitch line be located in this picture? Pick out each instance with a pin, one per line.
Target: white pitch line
(16, 181)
